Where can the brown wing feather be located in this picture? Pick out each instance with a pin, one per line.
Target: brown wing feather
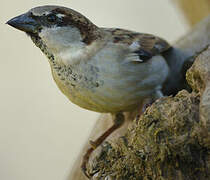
(149, 43)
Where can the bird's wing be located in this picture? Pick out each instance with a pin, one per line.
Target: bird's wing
(143, 46)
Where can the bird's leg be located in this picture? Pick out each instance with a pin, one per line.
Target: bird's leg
(118, 122)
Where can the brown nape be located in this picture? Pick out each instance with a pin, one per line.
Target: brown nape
(88, 30)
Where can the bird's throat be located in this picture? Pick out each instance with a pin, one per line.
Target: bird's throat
(41, 45)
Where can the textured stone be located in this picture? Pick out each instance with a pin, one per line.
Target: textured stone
(199, 78)
(171, 140)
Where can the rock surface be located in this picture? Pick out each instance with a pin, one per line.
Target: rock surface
(171, 140)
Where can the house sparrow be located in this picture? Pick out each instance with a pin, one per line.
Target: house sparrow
(107, 70)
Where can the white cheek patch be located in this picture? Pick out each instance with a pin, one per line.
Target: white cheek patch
(65, 43)
(53, 38)
(59, 38)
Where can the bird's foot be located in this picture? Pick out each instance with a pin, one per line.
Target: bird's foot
(118, 121)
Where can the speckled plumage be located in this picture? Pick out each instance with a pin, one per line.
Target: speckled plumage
(100, 69)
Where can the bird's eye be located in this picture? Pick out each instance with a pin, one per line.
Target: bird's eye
(51, 18)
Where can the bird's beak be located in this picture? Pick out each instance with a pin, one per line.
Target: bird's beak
(25, 23)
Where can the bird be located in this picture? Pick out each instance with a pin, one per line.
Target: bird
(106, 70)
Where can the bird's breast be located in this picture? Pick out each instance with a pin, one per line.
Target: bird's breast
(79, 83)
(108, 83)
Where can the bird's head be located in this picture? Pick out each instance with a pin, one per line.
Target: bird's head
(56, 27)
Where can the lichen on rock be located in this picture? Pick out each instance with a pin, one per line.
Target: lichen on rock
(171, 140)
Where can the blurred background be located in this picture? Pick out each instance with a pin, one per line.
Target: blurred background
(41, 132)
